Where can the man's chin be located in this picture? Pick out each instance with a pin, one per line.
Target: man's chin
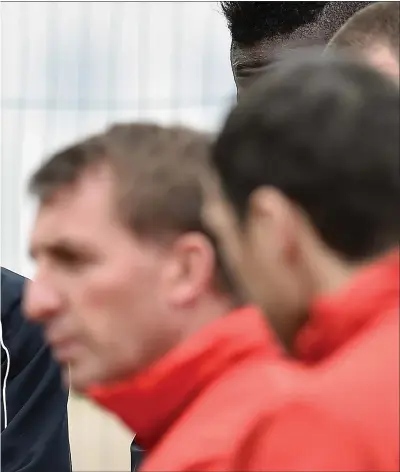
(76, 380)
(81, 380)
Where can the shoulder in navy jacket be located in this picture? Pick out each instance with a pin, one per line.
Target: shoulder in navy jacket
(34, 431)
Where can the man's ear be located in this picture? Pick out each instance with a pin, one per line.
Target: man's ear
(191, 268)
(275, 212)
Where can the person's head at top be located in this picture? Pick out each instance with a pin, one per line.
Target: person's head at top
(307, 185)
(261, 30)
(125, 270)
(372, 34)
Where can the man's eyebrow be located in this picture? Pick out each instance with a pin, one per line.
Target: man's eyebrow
(59, 248)
(241, 66)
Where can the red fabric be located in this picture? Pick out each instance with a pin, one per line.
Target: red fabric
(227, 400)
(192, 409)
(336, 319)
(346, 418)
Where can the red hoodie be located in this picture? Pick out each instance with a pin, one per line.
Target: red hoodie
(192, 409)
(226, 399)
(346, 418)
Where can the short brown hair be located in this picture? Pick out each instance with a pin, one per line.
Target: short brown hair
(158, 172)
(375, 25)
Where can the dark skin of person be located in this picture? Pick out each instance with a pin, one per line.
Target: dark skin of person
(251, 61)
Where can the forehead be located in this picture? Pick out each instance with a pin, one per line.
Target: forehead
(267, 48)
(249, 62)
(84, 209)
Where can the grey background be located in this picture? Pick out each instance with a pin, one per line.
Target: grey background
(69, 69)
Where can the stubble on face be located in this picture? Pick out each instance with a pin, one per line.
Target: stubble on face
(106, 280)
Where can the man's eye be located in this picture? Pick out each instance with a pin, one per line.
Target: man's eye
(69, 260)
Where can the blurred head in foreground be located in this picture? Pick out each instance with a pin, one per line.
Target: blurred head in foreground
(307, 182)
(262, 30)
(373, 34)
(125, 270)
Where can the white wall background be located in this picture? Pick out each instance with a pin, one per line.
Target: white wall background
(69, 69)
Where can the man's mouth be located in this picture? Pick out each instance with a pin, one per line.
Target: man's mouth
(64, 352)
(63, 348)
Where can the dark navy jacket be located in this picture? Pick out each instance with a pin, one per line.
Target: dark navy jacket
(36, 436)
(137, 456)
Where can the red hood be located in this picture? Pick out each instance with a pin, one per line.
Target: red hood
(373, 293)
(151, 401)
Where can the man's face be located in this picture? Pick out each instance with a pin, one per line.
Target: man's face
(251, 62)
(98, 290)
(220, 219)
(262, 252)
(384, 60)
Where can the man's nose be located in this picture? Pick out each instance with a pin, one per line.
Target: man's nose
(41, 301)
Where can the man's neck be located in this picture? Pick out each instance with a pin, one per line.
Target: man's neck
(323, 273)
(330, 274)
(208, 309)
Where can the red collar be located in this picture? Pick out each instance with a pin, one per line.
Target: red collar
(336, 318)
(151, 401)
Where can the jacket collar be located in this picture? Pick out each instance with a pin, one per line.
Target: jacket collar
(150, 402)
(336, 318)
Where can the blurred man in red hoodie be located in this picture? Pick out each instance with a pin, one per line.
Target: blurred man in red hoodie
(308, 164)
(133, 298)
